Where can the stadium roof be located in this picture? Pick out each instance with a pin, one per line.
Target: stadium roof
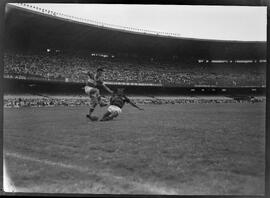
(29, 30)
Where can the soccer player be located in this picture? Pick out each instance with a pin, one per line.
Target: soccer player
(117, 102)
(93, 83)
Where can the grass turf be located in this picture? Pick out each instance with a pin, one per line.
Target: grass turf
(203, 149)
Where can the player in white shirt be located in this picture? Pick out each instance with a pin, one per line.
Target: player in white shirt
(93, 83)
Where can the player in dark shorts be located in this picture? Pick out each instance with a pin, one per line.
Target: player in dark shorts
(117, 101)
(93, 84)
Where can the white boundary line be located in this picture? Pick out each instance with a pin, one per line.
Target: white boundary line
(143, 187)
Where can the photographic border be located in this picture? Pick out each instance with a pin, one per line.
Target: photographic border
(160, 2)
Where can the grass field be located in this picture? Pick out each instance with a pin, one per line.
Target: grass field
(203, 149)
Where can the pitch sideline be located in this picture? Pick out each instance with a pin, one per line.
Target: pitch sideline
(151, 188)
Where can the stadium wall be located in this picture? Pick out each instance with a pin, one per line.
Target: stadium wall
(21, 86)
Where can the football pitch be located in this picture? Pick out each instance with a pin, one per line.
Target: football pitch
(186, 149)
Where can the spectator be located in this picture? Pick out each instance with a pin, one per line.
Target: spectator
(63, 67)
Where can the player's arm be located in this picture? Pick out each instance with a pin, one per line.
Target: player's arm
(132, 103)
(107, 88)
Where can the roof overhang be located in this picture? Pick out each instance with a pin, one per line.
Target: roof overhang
(30, 30)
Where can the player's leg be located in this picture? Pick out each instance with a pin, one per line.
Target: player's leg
(113, 115)
(109, 116)
(91, 110)
(105, 116)
(113, 112)
(100, 102)
(93, 104)
(90, 116)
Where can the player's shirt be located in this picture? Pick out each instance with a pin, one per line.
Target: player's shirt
(99, 81)
(95, 82)
(118, 100)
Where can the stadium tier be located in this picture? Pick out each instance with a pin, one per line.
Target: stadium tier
(70, 68)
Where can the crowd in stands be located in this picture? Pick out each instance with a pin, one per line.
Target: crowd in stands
(18, 102)
(42, 102)
(71, 67)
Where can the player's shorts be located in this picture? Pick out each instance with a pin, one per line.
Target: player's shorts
(114, 109)
(88, 90)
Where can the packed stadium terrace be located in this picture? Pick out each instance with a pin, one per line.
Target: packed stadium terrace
(70, 68)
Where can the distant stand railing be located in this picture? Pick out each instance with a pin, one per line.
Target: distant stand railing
(93, 22)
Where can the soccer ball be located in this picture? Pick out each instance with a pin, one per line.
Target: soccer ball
(94, 118)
